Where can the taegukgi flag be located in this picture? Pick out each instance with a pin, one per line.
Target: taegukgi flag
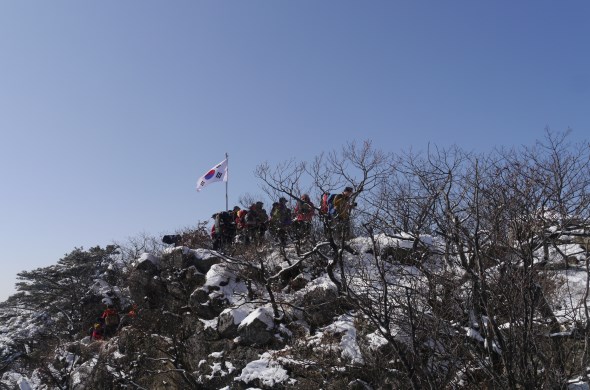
(217, 173)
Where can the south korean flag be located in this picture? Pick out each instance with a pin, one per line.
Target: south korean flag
(217, 173)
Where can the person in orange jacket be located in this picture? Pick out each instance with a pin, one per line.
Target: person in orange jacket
(343, 205)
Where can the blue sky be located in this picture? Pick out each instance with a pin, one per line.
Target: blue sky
(111, 110)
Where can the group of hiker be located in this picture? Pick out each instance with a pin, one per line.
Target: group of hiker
(250, 226)
(110, 322)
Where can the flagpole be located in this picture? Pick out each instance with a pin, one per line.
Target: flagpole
(227, 173)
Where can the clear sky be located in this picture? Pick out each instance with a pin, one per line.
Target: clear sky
(111, 110)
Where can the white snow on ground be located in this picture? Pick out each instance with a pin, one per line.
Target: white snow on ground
(555, 257)
(81, 374)
(217, 370)
(23, 384)
(578, 384)
(376, 341)
(405, 240)
(265, 369)
(348, 344)
(13, 380)
(216, 355)
(209, 324)
(343, 327)
(570, 293)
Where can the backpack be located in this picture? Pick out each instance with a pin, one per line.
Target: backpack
(327, 204)
(252, 217)
(225, 217)
(223, 222)
(171, 239)
(281, 216)
(111, 318)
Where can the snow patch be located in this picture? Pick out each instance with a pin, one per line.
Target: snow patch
(268, 371)
(149, 257)
(263, 314)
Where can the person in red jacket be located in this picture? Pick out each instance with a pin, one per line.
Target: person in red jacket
(304, 212)
(97, 330)
(111, 320)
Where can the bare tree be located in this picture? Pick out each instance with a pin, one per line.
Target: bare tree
(480, 300)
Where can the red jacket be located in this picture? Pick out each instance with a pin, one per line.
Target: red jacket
(108, 312)
(304, 211)
(97, 334)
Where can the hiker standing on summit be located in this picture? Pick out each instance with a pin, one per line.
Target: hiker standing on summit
(343, 205)
(304, 212)
(280, 220)
(256, 222)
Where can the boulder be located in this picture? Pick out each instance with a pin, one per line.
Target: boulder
(257, 328)
(319, 304)
(205, 259)
(183, 257)
(146, 286)
(200, 296)
(228, 321)
(204, 311)
(298, 283)
(194, 277)
(148, 263)
(207, 306)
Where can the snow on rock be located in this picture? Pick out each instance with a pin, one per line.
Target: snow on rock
(149, 257)
(376, 341)
(343, 326)
(200, 253)
(11, 380)
(147, 261)
(267, 371)
(257, 327)
(221, 290)
(23, 384)
(204, 254)
(216, 355)
(218, 371)
(82, 373)
(184, 257)
(402, 240)
(14, 380)
(229, 320)
(263, 314)
(578, 384)
(220, 278)
(218, 275)
(318, 297)
(209, 324)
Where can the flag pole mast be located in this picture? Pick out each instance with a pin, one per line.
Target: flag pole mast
(227, 173)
